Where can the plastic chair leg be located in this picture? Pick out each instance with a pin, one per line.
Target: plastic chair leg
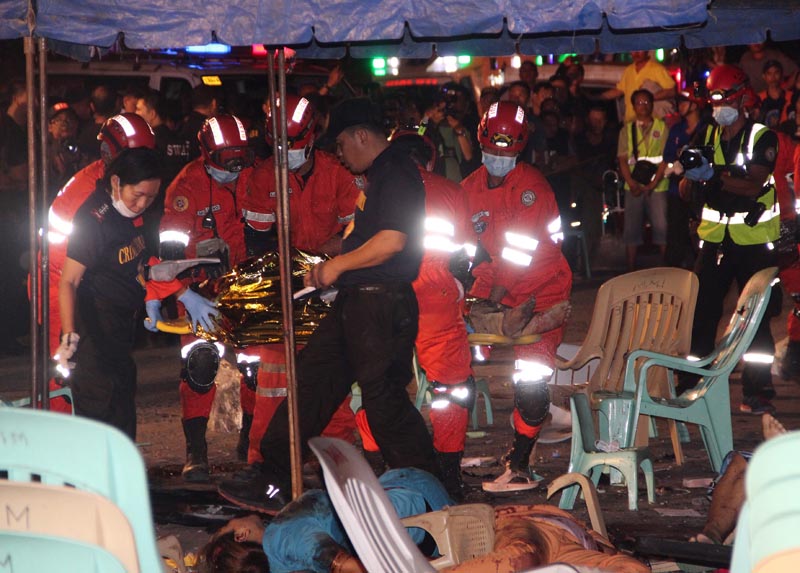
(482, 389)
(422, 391)
(649, 479)
(631, 473)
(568, 497)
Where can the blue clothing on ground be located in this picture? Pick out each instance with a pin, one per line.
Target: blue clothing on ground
(307, 534)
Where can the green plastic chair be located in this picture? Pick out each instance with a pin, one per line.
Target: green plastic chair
(708, 403)
(481, 389)
(587, 459)
(63, 450)
(766, 531)
(25, 402)
(21, 553)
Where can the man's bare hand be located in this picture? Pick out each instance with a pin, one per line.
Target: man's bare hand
(322, 275)
(245, 529)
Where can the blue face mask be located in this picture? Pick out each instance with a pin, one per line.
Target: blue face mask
(498, 166)
(220, 175)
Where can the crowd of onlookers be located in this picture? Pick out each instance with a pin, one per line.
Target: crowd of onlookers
(574, 135)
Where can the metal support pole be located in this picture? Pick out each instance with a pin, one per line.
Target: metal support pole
(44, 270)
(30, 77)
(280, 153)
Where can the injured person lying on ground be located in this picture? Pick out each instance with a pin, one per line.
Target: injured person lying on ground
(307, 535)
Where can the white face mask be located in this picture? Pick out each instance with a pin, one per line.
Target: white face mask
(220, 175)
(497, 165)
(297, 158)
(121, 208)
(725, 115)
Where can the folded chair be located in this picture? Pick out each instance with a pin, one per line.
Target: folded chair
(708, 403)
(75, 452)
(371, 523)
(767, 530)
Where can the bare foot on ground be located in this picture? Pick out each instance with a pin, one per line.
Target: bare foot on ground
(771, 427)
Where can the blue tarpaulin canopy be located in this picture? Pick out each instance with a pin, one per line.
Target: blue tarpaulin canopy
(409, 28)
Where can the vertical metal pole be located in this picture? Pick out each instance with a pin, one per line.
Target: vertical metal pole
(30, 50)
(44, 271)
(280, 153)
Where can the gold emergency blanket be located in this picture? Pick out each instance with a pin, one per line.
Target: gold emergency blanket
(249, 300)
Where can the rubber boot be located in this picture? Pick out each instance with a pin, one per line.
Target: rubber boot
(518, 457)
(376, 462)
(790, 365)
(196, 467)
(450, 467)
(244, 437)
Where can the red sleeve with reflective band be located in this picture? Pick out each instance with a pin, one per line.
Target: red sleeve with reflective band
(259, 201)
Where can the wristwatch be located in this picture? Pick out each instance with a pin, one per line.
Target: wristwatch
(460, 132)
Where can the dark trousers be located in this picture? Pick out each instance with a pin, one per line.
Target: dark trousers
(738, 263)
(368, 338)
(104, 379)
(679, 241)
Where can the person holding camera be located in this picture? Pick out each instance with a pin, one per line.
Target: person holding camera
(739, 225)
(639, 151)
(455, 123)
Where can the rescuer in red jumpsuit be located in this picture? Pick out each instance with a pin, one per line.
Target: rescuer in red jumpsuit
(123, 131)
(322, 196)
(515, 219)
(203, 218)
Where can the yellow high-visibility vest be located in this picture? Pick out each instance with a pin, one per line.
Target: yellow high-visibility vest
(650, 149)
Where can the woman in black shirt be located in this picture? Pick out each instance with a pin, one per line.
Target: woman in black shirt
(102, 289)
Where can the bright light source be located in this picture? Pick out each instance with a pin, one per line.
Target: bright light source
(393, 62)
(212, 81)
(450, 64)
(379, 72)
(539, 60)
(516, 61)
(660, 55)
(378, 64)
(258, 50)
(464, 60)
(212, 48)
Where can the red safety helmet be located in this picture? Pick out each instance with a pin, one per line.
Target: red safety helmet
(223, 142)
(418, 143)
(124, 131)
(725, 83)
(504, 127)
(301, 122)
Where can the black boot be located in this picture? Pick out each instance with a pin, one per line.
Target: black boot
(196, 467)
(244, 437)
(790, 365)
(376, 462)
(450, 467)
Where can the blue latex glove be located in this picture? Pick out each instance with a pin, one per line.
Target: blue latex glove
(153, 309)
(702, 173)
(201, 310)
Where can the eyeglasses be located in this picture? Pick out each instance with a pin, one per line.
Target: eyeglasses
(642, 102)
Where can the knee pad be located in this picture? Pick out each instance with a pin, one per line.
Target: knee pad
(462, 394)
(248, 365)
(200, 365)
(532, 401)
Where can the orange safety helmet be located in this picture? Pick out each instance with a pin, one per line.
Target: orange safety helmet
(301, 121)
(504, 127)
(223, 143)
(124, 131)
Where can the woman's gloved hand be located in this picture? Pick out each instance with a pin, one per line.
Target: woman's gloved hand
(201, 310)
(65, 351)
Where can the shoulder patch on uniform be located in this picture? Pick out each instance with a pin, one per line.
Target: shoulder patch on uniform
(528, 198)
(770, 153)
(180, 203)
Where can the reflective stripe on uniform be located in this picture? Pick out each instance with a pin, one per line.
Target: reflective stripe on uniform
(170, 236)
(258, 217)
(531, 372)
(273, 368)
(271, 392)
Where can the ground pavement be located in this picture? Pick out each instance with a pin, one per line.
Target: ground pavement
(191, 511)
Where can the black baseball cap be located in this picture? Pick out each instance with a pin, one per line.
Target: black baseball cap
(352, 112)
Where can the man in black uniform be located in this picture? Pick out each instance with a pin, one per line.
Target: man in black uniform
(369, 334)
